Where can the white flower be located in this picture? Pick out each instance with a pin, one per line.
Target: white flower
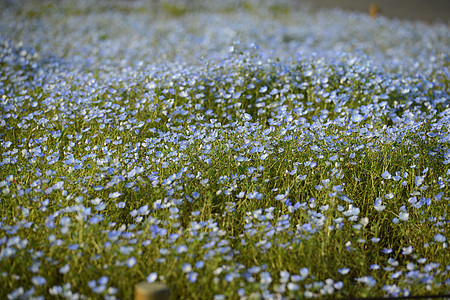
(404, 216)
(407, 250)
(115, 195)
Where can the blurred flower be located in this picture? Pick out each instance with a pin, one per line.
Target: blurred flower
(439, 238)
(38, 280)
(152, 277)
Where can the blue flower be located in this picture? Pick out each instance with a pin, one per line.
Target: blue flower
(186, 268)
(386, 175)
(357, 118)
(344, 271)
(152, 277)
(115, 195)
(439, 238)
(192, 276)
(38, 280)
(131, 262)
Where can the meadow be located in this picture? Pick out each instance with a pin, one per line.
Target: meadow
(230, 149)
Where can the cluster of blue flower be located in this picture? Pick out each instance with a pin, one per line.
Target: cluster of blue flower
(242, 156)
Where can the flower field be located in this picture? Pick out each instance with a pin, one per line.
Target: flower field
(231, 149)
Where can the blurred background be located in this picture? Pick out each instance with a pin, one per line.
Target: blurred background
(423, 10)
(429, 11)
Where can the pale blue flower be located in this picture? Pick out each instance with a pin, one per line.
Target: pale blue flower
(246, 117)
(419, 180)
(200, 264)
(396, 275)
(386, 175)
(186, 268)
(368, 280)
(38, 280)
(304, 272)
(192, 276)
(404, 216)
(115, 195)
(100, 289)
(265, 278)
(439, 238)
(407, 250)
(344, 271)
(64, 269)
(152, 277)
(357, 118)
(131, 262)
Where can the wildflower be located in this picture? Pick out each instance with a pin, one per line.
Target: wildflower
(439, 238)
(186, 267)
(55, 290)
(292, 286)
(115, 195)
(338, 285)
(418, 180)
(389, 196)
(404, 216)
(368, 280)
(152, 277)
(407, 250)
(375, 240)
(38, 280)
(265, 278)
(357, 118)
(103, 280)
(386, 175)
(284, 276)
(246, 117)
(344, 271)
(131, 262)
(192, 276)
(199, 264)
(64, 269)
(396, 274)
(304, 272)
(100, 289)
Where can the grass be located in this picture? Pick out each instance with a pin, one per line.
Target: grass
(243, 176)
